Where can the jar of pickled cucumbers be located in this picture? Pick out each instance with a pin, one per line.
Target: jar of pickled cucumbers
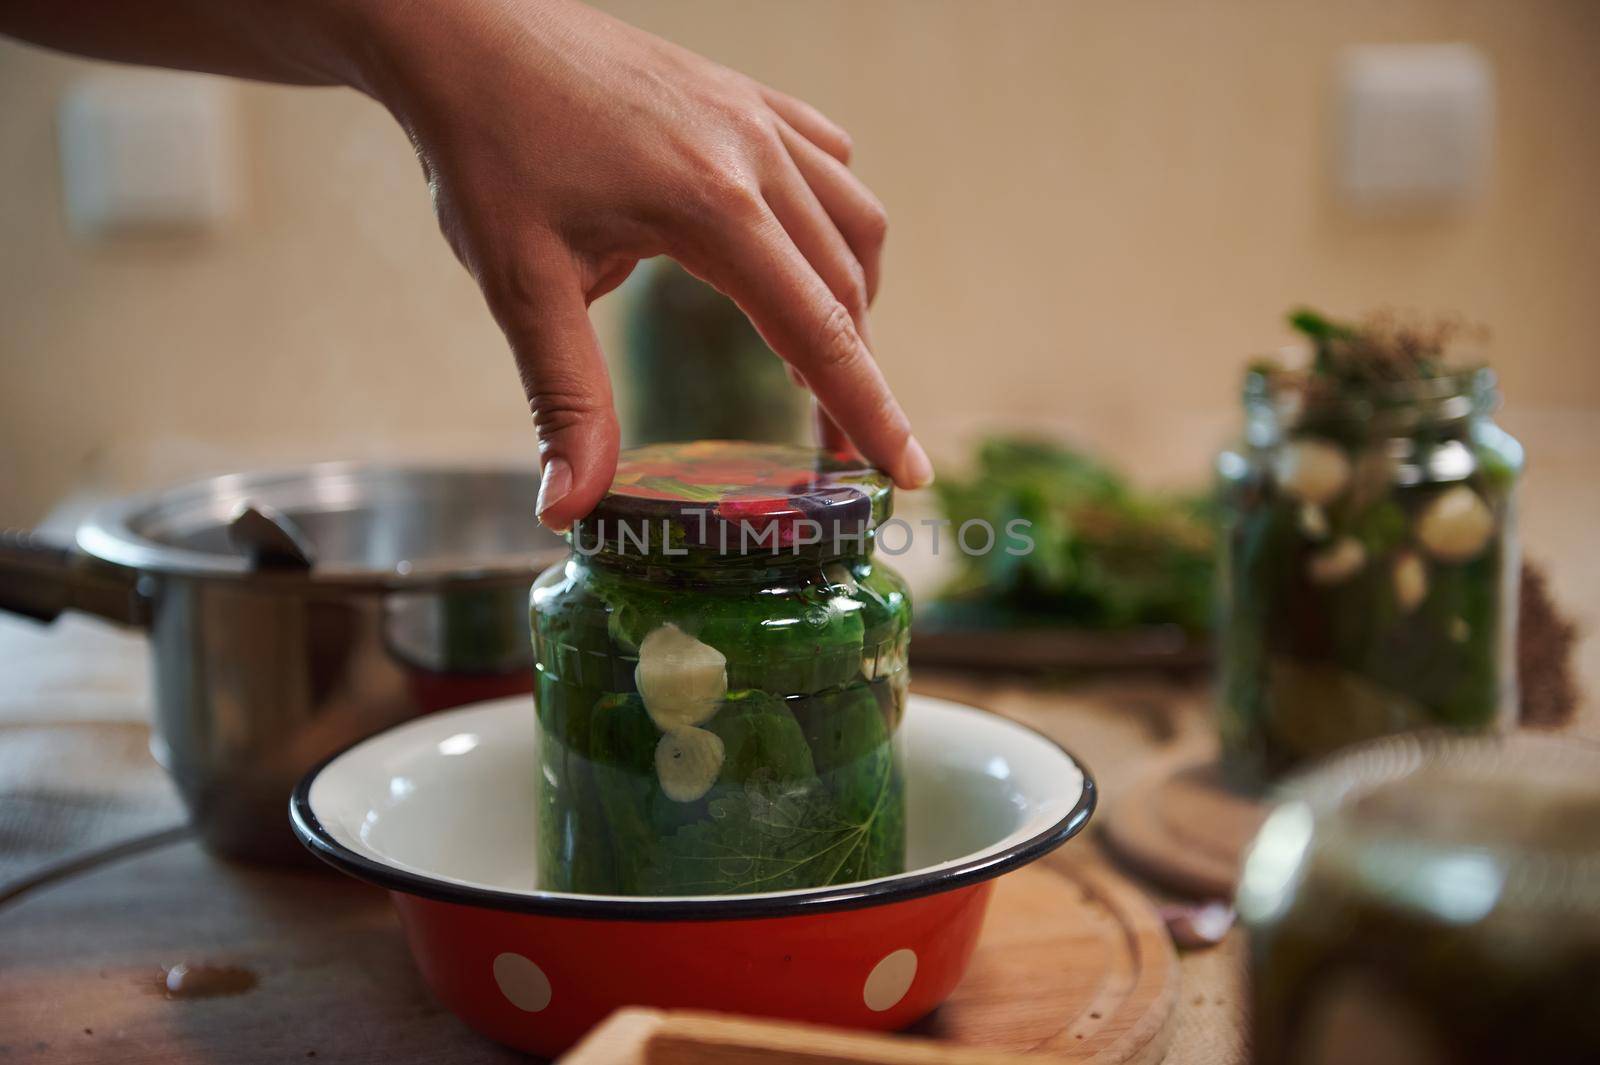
(1368, 579)
(1426, 899)
(721, 674)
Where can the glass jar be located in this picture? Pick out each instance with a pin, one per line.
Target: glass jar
(1368, 578)
(697, 369)
(1430, 900)
(721, 675)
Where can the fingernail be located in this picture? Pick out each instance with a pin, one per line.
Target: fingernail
(914, 464)
(554, 485)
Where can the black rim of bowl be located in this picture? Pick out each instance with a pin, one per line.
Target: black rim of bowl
(912, 885)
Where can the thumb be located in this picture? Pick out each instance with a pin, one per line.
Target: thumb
(569, 392)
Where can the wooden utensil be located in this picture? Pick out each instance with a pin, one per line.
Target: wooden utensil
(651, 1037)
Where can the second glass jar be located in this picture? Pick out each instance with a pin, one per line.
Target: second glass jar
(1369, 568)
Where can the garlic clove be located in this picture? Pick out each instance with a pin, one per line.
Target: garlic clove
(688, 761)
(1198, 925)
(681, 680)
(1456, 525)
(1313, 522)
(1337, 562)
(1410, 581)
(1311, 470)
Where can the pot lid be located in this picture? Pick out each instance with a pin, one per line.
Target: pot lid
(731, 497)
(358, 522)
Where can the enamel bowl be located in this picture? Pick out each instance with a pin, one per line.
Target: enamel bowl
(441, 812)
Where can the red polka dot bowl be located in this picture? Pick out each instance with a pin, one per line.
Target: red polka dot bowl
(441, 812)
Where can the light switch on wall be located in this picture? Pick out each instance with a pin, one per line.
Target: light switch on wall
(1415, 125)
(146, 151)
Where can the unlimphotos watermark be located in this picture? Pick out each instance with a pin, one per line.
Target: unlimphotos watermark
(794, 534)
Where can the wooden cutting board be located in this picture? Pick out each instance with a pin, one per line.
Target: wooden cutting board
(1183, 826)
(1073, 965)
(1073, 960)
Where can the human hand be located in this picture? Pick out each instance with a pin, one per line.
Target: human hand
(562, 146)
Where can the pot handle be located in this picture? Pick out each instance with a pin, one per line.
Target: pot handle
(40, 579)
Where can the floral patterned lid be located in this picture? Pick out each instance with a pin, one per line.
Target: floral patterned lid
(734, 497)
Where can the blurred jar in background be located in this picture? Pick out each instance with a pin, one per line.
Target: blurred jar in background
(698, 370)
(1431, 899)
(1368, 579)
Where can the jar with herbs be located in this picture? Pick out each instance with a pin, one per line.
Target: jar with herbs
(1368, 576)
(721, 675)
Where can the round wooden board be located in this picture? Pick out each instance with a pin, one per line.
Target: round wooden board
(1073, 962)
(1184, 827)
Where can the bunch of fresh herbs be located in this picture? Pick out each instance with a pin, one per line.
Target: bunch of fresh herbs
(1105, 554)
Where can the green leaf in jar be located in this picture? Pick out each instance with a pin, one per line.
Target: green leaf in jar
(771, 836)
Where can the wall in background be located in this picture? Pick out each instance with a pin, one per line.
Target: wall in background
(1098, 210)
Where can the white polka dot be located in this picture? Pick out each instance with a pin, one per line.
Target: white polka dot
(522, 982)
(889, 980)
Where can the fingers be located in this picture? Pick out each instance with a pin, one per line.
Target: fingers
(803, 217)
(812, 124)
(762, 270)
(855, 211)
(546, 319)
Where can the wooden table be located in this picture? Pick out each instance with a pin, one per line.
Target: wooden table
(80, 959)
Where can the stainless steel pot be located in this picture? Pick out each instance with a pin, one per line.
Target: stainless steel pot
(291, 614)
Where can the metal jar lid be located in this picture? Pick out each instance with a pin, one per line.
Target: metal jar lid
(730, 497)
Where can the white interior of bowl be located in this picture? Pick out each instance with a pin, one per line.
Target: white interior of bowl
(451, 796)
